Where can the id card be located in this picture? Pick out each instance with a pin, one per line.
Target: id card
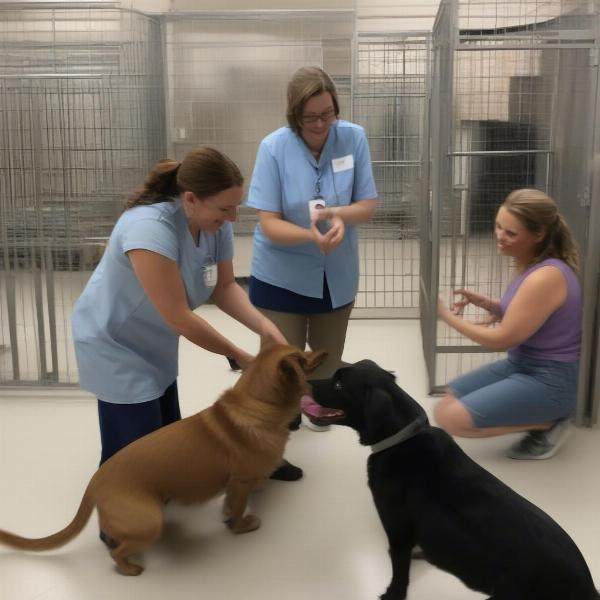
(209, 275)
(315, 205)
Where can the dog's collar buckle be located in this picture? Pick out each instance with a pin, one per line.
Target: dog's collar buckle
(401, 436)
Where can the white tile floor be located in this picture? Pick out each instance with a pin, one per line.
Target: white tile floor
(320, 537)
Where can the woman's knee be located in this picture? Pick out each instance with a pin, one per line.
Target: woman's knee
(452, 416)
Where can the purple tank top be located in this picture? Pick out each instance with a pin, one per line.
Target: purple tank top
(559, 337)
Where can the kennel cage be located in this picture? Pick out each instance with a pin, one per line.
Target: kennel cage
(92, 95)
(507, 77)
(81, 121)
(391, 98)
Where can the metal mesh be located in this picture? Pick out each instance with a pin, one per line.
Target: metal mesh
(505, 61)
(227, 81)
(81, 121)
(390, 102)
(228, 74)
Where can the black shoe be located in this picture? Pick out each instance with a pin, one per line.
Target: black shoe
(287, 472)
(295, 424)
(233, 364)
(110, 543)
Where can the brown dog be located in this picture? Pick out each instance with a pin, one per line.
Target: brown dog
(230, 446)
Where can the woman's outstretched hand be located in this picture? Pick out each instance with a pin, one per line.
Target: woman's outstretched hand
(468, 297)
(443, 312)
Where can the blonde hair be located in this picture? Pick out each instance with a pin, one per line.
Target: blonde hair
(539, 213)
(305, 83)
(205, 171)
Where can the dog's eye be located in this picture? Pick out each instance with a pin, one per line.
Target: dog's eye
(337, 386)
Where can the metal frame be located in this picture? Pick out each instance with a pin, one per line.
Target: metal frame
(588, 406)
(391, 102)
(559, 33)
(79, 110)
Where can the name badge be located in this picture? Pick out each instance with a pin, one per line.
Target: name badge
(343, 163)
(209, 275)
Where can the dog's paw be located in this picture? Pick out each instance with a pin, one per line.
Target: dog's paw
(129, 568)
(245, 524)
(393, 594)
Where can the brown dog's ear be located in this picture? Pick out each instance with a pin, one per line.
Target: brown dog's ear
(301, 363)
(312, 360)
(292, 365)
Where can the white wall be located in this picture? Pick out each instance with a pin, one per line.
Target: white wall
(373, 15)
(396, 15)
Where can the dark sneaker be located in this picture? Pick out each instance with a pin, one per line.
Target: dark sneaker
(108, 541)
(538, 444)
(286, 471)
(317, 417)
(233, 364)
(295, 424)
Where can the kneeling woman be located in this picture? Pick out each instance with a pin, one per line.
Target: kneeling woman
(538, 322)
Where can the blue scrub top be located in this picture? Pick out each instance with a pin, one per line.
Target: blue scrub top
(286, 177)
(126, 353)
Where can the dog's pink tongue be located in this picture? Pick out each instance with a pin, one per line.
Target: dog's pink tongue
(309, 406)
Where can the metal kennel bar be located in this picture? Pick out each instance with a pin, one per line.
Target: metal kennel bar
(507, 77)
(226, 79)
(391, 100)
(227, 74)
(81, 120)
(93, 94)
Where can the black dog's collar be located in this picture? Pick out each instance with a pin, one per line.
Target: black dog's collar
(401, 436)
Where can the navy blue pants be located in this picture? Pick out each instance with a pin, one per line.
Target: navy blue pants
(121, 424)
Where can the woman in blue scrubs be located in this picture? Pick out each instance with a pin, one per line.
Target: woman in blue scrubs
(169, 252)
(312, 185)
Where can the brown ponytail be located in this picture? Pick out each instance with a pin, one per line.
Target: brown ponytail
(160, 184)
(205, 171)
(538, 212)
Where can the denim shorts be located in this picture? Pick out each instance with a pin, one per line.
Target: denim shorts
(518, 391)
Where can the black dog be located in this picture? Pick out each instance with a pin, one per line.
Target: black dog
(429, 492)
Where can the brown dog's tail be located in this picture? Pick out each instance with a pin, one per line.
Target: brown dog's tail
(57, 539)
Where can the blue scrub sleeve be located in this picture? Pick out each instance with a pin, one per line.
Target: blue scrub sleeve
(151, 234)
(364, 182)
(265, 186)
(225, 243)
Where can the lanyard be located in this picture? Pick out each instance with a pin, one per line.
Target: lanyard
(318, 183)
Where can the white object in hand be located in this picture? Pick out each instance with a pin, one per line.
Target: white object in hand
(314, 206)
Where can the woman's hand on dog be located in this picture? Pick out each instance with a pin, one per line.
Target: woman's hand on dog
(269, 334)
(243, 359)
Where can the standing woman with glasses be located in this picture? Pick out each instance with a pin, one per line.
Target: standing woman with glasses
(312, 185)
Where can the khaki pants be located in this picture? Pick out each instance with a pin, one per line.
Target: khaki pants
(321, 331)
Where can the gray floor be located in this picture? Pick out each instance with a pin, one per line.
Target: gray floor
(320, 537)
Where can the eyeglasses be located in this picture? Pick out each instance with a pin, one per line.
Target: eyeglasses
(326, 117)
